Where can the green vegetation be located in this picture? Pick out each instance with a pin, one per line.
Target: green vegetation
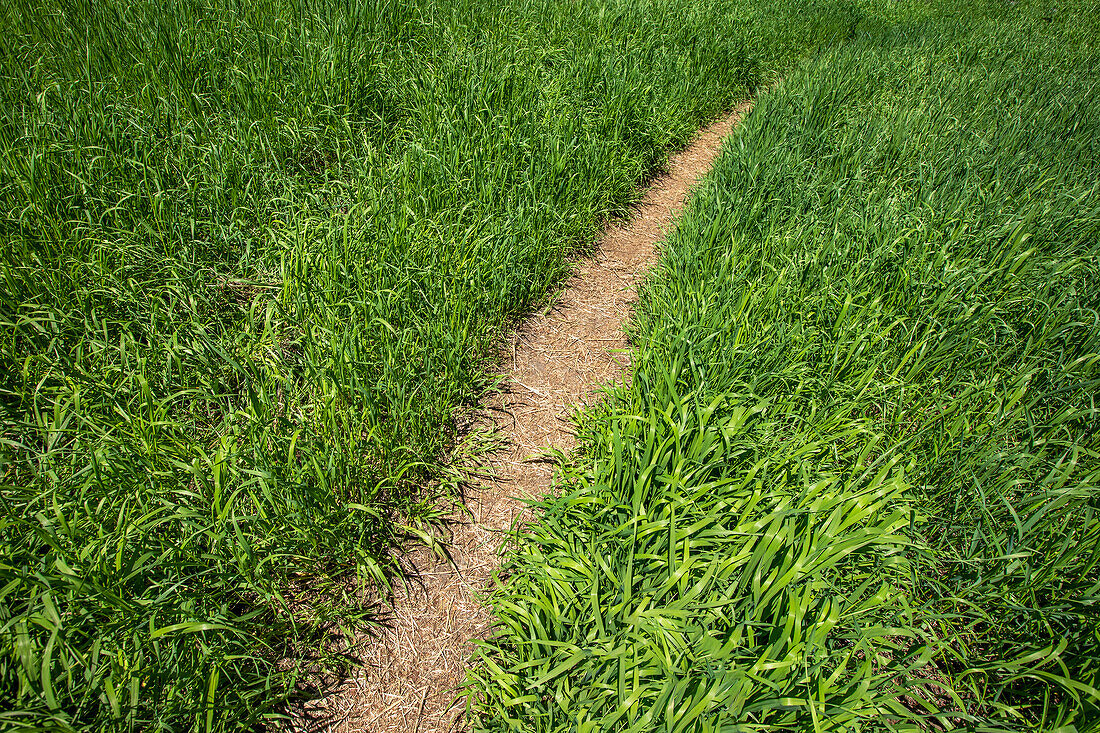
(253, 256)
(855, 482)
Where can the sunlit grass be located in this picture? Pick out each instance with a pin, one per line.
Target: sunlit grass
(854, 482)
(253, 256)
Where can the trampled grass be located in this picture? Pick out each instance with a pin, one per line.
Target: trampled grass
(254, 255)
(854, 482)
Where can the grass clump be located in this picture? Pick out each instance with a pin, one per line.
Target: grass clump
(253, 256)
(853, 484)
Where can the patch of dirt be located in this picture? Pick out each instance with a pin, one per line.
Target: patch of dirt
(414, 668)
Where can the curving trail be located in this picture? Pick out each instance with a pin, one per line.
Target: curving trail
(557, 361)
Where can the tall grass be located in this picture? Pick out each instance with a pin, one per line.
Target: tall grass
(854, 484)
(254, 256)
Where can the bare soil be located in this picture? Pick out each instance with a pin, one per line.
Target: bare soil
(557, 360)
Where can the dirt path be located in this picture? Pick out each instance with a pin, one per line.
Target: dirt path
(412, 672)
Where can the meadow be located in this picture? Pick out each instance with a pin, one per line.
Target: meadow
(254, 260)
(854, 483)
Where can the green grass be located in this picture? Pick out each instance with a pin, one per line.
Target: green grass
(855, 481)
(253, 257)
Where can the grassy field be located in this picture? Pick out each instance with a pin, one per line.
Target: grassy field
(855, 482)
(253, 257)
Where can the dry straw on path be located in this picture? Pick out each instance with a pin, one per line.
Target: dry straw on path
(412, 672)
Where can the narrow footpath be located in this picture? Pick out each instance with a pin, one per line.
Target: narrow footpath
(558, 359)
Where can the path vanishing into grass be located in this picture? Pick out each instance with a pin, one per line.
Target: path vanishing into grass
(557, 360)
